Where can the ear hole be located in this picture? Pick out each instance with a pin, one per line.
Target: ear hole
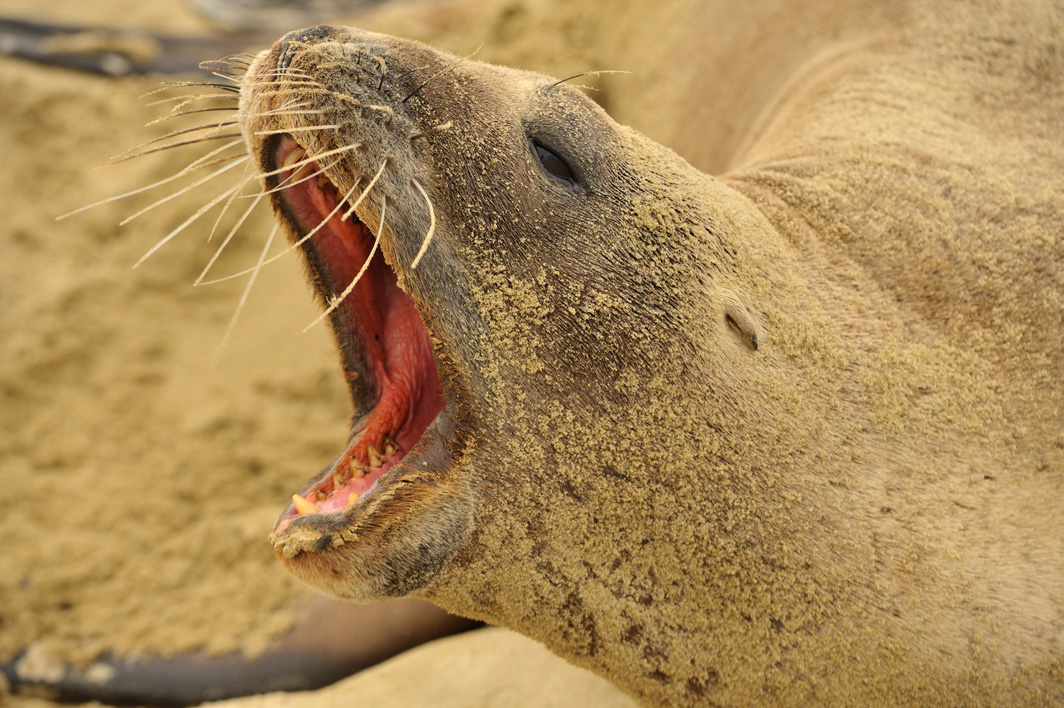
(741, 323)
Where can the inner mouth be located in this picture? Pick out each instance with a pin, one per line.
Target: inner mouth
(384, 345)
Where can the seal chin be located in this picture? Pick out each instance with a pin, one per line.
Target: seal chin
(391, 372)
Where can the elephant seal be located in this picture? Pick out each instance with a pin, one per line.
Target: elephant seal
(789, 436)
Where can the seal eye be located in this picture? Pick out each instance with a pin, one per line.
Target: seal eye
(554, 165)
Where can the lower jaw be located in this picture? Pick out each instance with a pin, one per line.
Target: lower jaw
(392, 498)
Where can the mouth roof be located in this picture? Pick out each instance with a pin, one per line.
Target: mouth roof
(385, 347)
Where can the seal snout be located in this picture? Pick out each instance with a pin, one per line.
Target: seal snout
(296, 40)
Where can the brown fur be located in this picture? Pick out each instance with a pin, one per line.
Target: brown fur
(863, 509)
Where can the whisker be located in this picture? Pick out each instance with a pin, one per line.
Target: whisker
(162, 242)
(225, 62)
(195, 164)
(384, 70)
(280, 112)
(278, 76)
(285, 185)
(243, 297)
(183, 131)
(228, 238)
(204, 96)
(295, 245)
(222, 213)
(167, 85)
(172, 115)
(279, 131)
(432, 226)
(369, 186)
(182, 191)
(120, 158)
(229, 202)
(309, 159)
(225, 74)
(321, 91)
(267, 81)
(587, 73)
(434, 129)
(335, 301)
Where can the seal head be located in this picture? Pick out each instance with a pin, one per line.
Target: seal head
(457, 195)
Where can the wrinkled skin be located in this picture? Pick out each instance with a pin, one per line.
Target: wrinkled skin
(668, 447)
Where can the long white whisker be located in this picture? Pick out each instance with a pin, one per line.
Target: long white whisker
(243, 298)
(191, 166)
(229, 202)
(222, 213)
(179, 113)
(197, 97)
(365, 191)
(195, 163)
(432, 226)
(296, 130)
(228, 238)
(311, 158)
(181, 143)
(188, 221)
(183, 190)
(285, 184)
(295, 245)
(183, 131)
(335, 301)
(288, 107)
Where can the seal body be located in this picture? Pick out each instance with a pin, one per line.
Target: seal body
(789, 436)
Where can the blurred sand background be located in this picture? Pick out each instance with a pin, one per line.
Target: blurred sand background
(139, 480)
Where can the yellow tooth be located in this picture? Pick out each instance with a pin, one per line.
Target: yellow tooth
(375, 458)
(352, 500)
(338, 480)
(304, 506)
(296, 155)
(357, 470)
(390, 446)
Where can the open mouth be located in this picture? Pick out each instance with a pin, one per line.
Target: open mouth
(385, 348)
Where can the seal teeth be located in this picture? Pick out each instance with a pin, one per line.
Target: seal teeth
(294, 155)
(357, 468)
(390, 446)
(304, 506)
(375, 459)
(352, 500)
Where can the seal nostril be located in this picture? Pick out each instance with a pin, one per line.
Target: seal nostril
(299, 39)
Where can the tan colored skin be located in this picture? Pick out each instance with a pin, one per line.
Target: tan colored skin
(863, 510)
